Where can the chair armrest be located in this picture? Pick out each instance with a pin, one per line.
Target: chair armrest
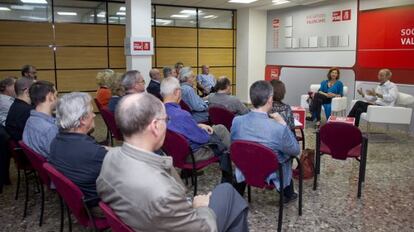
(389, 114)
(339, 103)
(303, 101)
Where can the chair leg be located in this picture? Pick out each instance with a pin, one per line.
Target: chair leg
(300, 186)
(360, 179)
(303, 139)
(281, 195)
(26, 200)
(316, 170)
(42, 204)
(249, 193)
(195, 181)
(69, 218)
(16, 196)
(62, 214)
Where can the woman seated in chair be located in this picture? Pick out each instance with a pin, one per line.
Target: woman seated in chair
(280, 107)
(329, 89)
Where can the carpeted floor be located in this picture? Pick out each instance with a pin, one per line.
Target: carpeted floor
(386, 204)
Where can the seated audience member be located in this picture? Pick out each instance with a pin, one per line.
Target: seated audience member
(75, 154)
(205, 141)
(278, 106)
(154, 85)
(131, 82)
(169, 72)
(223, 98)
(4, 159)
(41, 126)
(104, 80)
(19, 111)
(7, 95)
(329, 89)
(117, 92)
(29, 71)
(197, 105)
(205, 80)
(178, 66)
(385, 94)
(144, 189)
(272, 132)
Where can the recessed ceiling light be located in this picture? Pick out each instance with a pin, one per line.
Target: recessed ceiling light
(120, 13)
(67, 13)
(35, 1)
(242, 1)
(190, 12)
(122, 8)
(22, 7)
(210, 16)
(279, 2)
(4, 9)
(101, 14)
(179, 16)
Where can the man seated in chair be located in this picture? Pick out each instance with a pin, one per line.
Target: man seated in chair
(205, 141)
(385, 94)
(270, 131)
(223, 98)
(73, 152)
(144, 189)
(206, 81)
(197, 105)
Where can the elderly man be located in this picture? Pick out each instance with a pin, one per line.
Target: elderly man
(205, 141)
(132, 82)
(197, 105)
(169, 72)
(154, 85)
(73, 152)
(178, 66)
(223, 98)
(206, 81)
(271, 132)
(385, 94)
(19, 111)
(7, 95)
(144, 189)
(41, 126)
(29, 71)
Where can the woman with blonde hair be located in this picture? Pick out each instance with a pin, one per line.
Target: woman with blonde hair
(104, 80)
(117, 92)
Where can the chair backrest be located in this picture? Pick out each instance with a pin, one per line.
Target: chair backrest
(109, 120)
(116, 224)
(340, 138)
(405, 99)
(176, 146)
(37, 162)
(98, 104)
(18, 155)
(254, 160)
(315, 87)
(70, 193)
(184, 106)
(219, 115)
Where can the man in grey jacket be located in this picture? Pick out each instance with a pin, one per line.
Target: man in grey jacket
(144, 189)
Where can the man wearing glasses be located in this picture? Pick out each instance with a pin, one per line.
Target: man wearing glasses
(132, 82)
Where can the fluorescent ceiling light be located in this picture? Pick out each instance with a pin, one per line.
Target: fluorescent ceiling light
(279, 2)
(35, 1)
(101, 14)
(179, 16)
(242, 1)
(4, 9)
(191, 12)
(210, 17)
(67, 13)
(32, 18)
(163, 21)
(22, 7)
(122, 8)
(120, 13)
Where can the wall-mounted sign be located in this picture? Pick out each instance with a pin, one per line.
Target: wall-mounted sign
(139, 46)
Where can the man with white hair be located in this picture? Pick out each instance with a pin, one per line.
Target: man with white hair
(154, 85)
(199, 108)
(73, 152)
(205, 141)
(132, 82)
(144, 189)
(385, 94)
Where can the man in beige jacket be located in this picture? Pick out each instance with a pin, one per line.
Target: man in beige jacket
(144, 189)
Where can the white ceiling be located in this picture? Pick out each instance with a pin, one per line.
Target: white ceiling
(260, 4)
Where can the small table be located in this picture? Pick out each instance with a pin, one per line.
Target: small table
(348, 120)
(299, 113)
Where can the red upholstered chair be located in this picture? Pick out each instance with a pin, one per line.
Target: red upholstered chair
(341, 141)
(177, 146)
(22, 164)
(99, 106)
(301, 137)
(75, 201)
(219, 115)
(116, 224)
(257, 162)
(185, 107)
(109, 120)
(37, 162)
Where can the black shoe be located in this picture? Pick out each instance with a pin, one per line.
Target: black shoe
(292, 198)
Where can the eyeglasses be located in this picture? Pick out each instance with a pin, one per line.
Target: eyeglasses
(139, 82)
(166, 119)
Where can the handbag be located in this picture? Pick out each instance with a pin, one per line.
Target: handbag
(307, 161)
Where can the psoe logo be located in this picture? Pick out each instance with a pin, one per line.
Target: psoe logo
(336, 16)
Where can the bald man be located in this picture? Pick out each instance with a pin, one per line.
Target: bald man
(154, 85)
